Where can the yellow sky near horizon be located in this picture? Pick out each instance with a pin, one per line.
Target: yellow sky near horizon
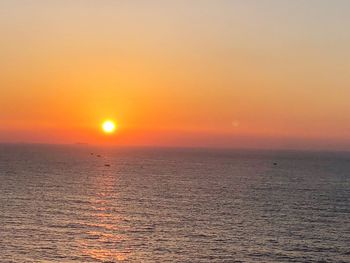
(176, 72)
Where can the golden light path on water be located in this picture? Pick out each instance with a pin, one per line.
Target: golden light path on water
(107, 226)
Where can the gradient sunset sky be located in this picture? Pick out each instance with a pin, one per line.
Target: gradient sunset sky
(218, 73)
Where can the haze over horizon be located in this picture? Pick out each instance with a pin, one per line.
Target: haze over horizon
(262, 74)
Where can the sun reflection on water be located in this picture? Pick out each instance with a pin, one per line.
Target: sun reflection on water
(105, 240)
(106, 255)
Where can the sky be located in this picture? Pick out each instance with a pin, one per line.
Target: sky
(203, 73)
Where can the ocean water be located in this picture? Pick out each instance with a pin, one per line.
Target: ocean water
(63, 204)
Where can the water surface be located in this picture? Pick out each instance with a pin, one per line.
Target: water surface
(63, 204)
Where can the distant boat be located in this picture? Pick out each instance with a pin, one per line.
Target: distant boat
(107, 165)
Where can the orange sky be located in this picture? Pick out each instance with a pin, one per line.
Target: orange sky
(180, 73)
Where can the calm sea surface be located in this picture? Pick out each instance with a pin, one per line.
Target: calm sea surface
(63, 204)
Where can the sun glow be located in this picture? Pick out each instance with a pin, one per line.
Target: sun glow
(108, 126)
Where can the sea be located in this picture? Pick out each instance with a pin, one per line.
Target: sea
(80, 203)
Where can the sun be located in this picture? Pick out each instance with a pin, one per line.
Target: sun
(109, 126)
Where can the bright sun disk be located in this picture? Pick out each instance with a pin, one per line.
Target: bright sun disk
(108, 126)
